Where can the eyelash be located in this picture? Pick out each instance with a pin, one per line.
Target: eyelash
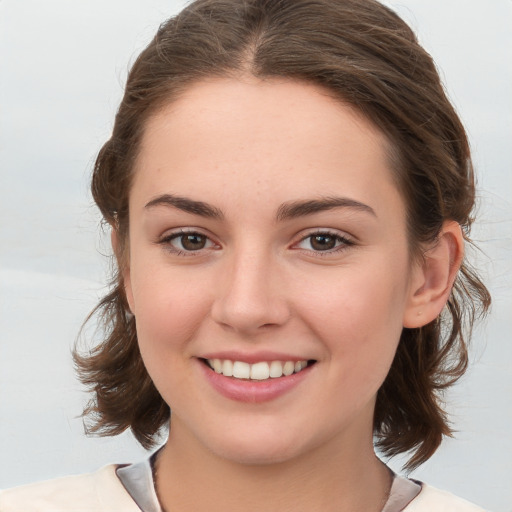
(167, 242)
(342, 242)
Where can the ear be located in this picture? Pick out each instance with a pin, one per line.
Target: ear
(123, 262)
(433, 277)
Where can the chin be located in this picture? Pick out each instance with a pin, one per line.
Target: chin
(258, 456)
(257, 449)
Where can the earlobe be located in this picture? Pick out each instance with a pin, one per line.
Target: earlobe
(433, 277)
(124, 267)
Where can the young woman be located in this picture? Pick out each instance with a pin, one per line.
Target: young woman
(289, 192)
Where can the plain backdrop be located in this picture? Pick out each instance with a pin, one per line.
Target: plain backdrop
(62, 69)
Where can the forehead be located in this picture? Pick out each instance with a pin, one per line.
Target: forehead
(249, 138)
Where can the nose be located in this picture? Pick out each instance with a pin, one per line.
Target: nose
(250, 295)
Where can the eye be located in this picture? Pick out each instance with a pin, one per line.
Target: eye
(324, 242)
(187, 242)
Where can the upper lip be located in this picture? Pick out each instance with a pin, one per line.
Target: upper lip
(255, 357)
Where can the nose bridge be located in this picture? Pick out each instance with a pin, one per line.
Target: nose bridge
(249, 296)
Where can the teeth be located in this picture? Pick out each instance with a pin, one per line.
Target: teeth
(227, 368)
(241, 370)
(276, 369)
(288, 368)
(260, 371)
(256, 371)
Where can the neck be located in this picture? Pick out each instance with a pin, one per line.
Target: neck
(341, 479)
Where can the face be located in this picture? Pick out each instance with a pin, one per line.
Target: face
(268, 268)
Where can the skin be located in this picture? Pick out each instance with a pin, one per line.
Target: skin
(246, 148)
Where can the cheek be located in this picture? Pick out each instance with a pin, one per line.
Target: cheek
(366, 301)
(168, 309)
(169, 313)
(358, 317)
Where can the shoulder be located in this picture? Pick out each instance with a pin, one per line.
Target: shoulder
(431, 499)
(101, 491)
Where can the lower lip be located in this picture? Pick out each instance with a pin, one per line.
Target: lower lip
(253, 391)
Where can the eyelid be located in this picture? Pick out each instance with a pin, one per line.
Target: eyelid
(173, 234)
(345, 239)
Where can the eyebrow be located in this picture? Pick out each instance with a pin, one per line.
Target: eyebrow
(187, 205)
(286, 211)
(296, 209)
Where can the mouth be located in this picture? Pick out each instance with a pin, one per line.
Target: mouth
(263, 370)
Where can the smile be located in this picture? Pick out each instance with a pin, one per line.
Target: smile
(258, 371)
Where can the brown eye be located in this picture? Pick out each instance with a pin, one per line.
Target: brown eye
(192, 241)
(187, 242)
(322, 242)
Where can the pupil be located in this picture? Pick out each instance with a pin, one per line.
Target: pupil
(323, 242)
(193, 242)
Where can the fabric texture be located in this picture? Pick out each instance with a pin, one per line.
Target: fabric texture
(402, 492)
(431, 499)
(103, 491)
(138, 481)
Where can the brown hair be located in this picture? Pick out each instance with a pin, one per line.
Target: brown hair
(365, 55)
